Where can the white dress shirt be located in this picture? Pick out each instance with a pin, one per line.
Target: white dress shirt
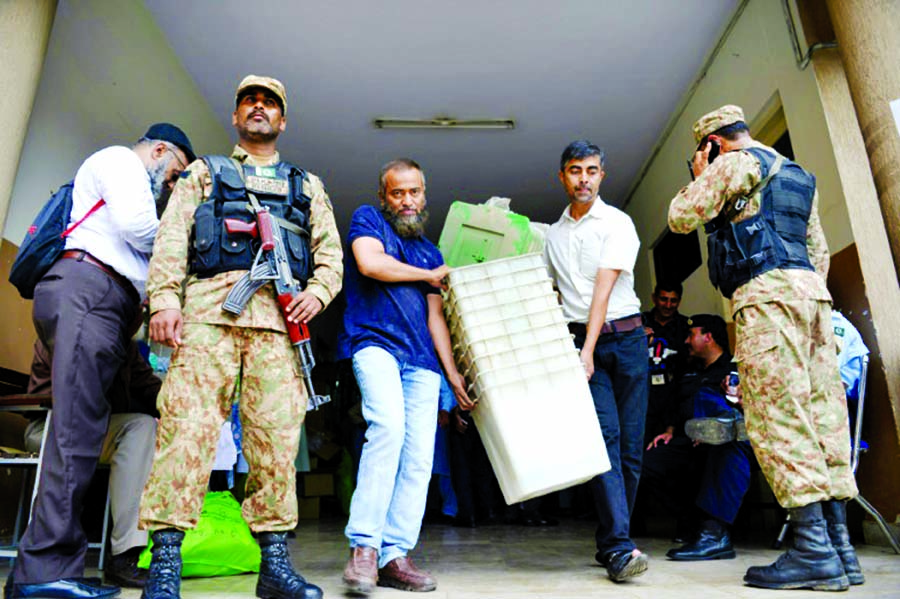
(574, 250)
(121, 233)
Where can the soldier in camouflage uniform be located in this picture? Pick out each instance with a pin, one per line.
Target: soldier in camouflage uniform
(768, 254)
(214, 350)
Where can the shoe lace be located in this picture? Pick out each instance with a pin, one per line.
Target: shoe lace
(276, 564)
(165, 571)
(787, 556)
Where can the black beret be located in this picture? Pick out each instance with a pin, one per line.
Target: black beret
(713, 324)
(172, 134)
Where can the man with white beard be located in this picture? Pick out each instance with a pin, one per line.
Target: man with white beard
(84, 309)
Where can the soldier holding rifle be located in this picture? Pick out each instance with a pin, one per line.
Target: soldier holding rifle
(216, 349)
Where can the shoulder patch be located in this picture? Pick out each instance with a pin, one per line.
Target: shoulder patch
(185, 174)
(308, 185)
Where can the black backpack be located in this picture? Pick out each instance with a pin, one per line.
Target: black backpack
(45, 240)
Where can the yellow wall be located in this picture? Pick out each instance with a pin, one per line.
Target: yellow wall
(754, 67)
(109, 73)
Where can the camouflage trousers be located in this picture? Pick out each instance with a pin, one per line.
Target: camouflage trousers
(794, 402)
(196, 398)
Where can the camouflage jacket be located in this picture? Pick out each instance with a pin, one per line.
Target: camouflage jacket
(170, 286)
(731, 176)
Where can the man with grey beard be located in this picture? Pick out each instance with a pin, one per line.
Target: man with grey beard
(84, 310)
(398, 339)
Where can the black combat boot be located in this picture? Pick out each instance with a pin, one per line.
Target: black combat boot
(277, 577)
(713, 542)
(164, 577)
(835, 513)
(811, 563)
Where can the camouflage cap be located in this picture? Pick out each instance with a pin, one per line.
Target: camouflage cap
(273, 85)
(715, 120)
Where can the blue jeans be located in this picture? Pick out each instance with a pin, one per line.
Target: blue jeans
(399, 403)
(725, 480)
(619, 390)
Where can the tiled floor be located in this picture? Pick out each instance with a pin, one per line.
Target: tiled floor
(511, 562)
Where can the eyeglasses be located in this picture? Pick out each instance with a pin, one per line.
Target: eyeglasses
(175, 154)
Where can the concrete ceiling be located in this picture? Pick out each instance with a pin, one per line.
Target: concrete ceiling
(610, 71)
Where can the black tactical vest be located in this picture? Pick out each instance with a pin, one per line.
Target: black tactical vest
(278, 187)
(773, 238)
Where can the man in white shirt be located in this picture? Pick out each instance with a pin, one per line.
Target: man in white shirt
(590, 253)
(84, 312)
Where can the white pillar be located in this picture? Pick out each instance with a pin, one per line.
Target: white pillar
(24, 33)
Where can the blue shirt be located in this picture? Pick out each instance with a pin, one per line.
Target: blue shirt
(392, 316)
(851, 350)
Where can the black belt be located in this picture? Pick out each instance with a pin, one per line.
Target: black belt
(619, 325)
(124, 283)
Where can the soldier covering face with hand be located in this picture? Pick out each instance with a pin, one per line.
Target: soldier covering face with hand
(767, 253)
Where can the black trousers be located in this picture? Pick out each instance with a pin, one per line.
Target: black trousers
(471, 473)
(83, 317)
(714, 478)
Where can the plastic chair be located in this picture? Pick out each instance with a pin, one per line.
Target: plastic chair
(854, 463)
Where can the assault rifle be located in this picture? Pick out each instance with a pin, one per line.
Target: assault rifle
(271, 264)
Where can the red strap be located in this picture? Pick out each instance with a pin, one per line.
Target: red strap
(93, 209)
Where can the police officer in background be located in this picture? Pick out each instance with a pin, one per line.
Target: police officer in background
(666, 329)
(215, 350)
(767, 253)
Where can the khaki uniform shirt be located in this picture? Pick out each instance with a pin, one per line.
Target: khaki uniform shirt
(731, 176)
(170, 286)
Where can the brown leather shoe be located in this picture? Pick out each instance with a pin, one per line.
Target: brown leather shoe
(402, 574)
(361, 571)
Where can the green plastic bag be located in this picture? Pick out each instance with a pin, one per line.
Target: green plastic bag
(221, 545)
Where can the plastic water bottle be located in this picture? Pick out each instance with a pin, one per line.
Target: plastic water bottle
(732, 386)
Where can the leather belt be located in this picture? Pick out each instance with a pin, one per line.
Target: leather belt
(83, 256)
(619, 325)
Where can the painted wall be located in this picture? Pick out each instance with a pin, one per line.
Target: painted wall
(755, 67)
(108, 74)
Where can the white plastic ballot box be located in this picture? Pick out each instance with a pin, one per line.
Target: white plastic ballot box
(535, 414)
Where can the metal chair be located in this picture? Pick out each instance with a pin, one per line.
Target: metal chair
(854, 463)
(38, 402)
(25, 403)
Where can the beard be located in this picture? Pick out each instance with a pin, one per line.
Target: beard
(258, 131)
(406, 226)
(157, 172)
(259, 134)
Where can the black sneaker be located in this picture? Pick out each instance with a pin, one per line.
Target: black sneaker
(622, 565)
